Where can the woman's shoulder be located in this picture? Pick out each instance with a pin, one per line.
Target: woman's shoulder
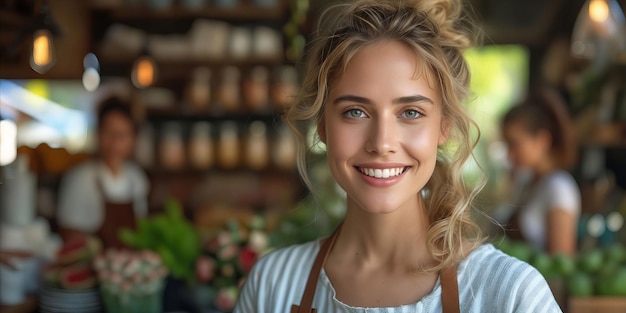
(489, 257)
(504, 281)
(560, 179)
(85, 170)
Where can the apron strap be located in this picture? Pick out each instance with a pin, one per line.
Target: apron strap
(449, 290)
(309, 291)
(448, 278)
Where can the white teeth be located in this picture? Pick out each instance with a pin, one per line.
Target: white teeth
(378, 173)
(386, 173)
(382, 173)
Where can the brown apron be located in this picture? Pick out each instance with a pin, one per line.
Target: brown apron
(116, 217)
(513, 230)
(449, 284)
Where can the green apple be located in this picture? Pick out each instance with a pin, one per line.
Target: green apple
(613, 285)
(543, 263)
(563, 265)
(520, 250)
(591, 262)
(615, 253)
(580, 285)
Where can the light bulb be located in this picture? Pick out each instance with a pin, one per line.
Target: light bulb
(91, 79)
(144, 72)
(598, 11)
(43, 55)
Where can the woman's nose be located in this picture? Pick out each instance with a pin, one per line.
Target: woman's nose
(383, 137)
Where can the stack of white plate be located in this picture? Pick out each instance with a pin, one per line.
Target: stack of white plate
(70, 301)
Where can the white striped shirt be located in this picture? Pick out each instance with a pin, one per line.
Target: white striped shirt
(489, 281)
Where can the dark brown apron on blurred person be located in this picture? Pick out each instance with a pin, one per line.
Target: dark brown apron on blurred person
(513, 228)
(116, 217)
(448, 279)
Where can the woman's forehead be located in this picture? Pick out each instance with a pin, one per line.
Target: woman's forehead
(386, 66)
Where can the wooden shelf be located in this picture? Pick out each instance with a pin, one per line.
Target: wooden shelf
(192, 172)
(176, 114)
(241, 12)
(128, 60)
(171, 68)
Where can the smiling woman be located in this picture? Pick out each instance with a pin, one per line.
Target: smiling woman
(384, 89)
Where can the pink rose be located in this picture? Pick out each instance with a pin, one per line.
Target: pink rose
(225, 299)
(228, 252)
(136, 278)
(150, 257)
(205, 269)
(104, 275)
(224, 238)
(116, 278)
(125, 286)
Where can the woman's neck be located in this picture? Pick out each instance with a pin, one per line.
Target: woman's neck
(114, 168)
(543, 168)
(395, 240)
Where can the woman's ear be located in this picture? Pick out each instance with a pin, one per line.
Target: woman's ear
(446, 127)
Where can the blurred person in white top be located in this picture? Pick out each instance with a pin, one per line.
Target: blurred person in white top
(109, 192)
(541, 148)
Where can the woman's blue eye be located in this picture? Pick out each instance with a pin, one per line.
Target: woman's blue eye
(411, 114)
(354, 113)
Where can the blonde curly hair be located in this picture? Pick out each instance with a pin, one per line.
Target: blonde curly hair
(436, 31)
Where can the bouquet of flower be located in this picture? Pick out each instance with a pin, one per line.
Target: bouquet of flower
(228, 257)
(131, 281)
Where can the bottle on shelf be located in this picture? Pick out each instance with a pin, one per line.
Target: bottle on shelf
(201, 146)
(285, 87)
(230, 89)
(228, 151)
(284, 152)
(257, 146)
(171, 147)
(198, 92)
(256, 89)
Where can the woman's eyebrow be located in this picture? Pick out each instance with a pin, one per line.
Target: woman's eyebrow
(401, 100)
(412, 99)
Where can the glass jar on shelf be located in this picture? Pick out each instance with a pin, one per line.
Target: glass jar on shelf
(201, 146)
(198, 92)
(228, 151)
(229, 90)
(284, 152)
(256, 89)
(257, 146)
(285, 87)
(171, 147)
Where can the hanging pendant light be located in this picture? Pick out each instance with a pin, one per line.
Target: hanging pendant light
(144, 72)
(43, 55)
(600, 30)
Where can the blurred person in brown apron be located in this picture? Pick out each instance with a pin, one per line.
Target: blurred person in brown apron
(109, 192)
